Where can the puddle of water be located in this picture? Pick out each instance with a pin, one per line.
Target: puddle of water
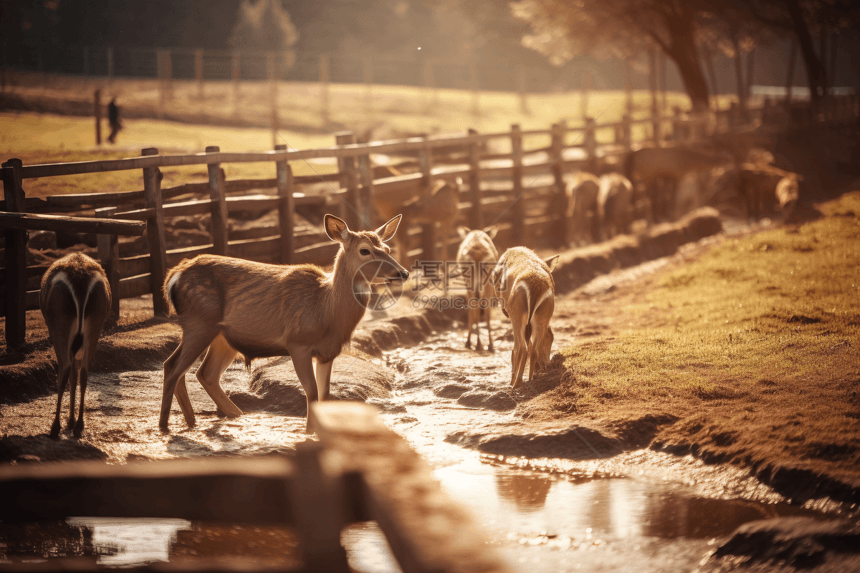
(121, 542)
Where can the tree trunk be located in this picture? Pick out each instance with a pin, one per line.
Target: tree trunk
(739, 78)
(685, 54)
(789, 82)
(815, 72)
(709, 64)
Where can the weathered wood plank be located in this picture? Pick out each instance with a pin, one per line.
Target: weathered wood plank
(231, 490)
(217, 205)
(286, 207)
(427, 531)
(130, 287)
(15, 255)
(476, 216)
(108, 249)
(155, 235)
(71, 224)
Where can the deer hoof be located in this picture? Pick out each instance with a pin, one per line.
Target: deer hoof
(79, 429)
(55, 430)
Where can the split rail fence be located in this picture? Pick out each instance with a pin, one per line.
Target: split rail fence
(358, 471)
(521, 190)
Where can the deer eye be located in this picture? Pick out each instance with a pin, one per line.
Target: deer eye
(364, 252)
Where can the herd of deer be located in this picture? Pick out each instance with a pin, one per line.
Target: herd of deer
(227, 306)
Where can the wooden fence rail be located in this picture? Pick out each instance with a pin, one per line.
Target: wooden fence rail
(358, 471)
(527, 214)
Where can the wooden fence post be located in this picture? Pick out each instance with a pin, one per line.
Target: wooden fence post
(519, 214)
(583, 99)
(108, 249)
(198, 72)
(320, 504)
(346, 167)
(559, 204)
(365, 193)
(475, 89)
(368, 83)
(626, 132)
(237, 61)
(521, 88)
(476, 218)
(324, 80)
(16, 258)
(155, 234)
(589, 143)
(218, 207)
(97, 108)
(428, 235)
(286, 207)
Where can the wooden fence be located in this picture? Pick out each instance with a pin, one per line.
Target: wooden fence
(358, 471)
(531, 214)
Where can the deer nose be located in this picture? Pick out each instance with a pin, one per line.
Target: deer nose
(404, 274)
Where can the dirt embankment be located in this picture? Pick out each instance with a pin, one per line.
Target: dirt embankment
(743, 353)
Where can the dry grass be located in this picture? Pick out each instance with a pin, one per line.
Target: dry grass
(394, 111)
(754, 347)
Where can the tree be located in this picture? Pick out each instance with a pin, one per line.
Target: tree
(802, 19)
(263, 25)
(562, 30)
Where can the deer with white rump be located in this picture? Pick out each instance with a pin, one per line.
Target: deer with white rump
(525, 283)
(231, 306)
(478, 250)
(75, 302)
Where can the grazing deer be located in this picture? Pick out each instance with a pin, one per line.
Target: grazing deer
(660, 169)
(525, 283)
(75, 301)
(582, 208)
(614, 204)
(233, 306)
(441, 206)
(478, 251)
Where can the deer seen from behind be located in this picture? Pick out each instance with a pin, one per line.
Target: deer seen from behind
(75, 301)
(227, 306)
(476, 253)
(524, 281)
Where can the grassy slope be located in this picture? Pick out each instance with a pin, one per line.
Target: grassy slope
(755, 348)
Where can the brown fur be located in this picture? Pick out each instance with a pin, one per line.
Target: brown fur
(582, 208)
(478, 247)
(75, 301)
(233, 306)
(525, 283)
(614, 205)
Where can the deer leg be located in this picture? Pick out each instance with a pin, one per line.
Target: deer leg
(73, 386)
(518, 357)
(62, 379)
(194, 342)
(489, 331)
(219, 356)
(79, 426)
(303, 363)
(323, 376)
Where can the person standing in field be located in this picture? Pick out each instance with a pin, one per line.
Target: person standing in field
(113, 120)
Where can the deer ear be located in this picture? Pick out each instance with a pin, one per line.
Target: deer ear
(386, 231)
(551, 262)
(491, 231)
(463, 231)
(335, 228)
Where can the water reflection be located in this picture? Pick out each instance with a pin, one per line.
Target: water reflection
(528, 492)
(131, 541)
(508, 500)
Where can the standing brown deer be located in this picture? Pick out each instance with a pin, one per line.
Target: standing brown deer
(233, 306)
(582, 208)
(525, 283)
(615, 205)
(75, 302)
(478, 251)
